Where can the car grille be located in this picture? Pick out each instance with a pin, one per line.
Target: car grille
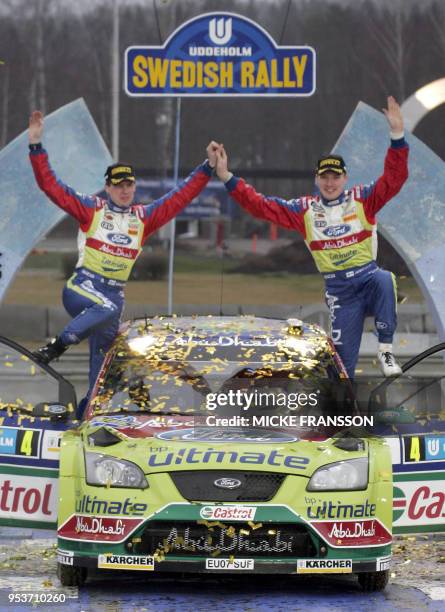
(204, 539)
(200, 486)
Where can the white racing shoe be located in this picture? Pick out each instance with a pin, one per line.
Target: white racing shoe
(388, 363)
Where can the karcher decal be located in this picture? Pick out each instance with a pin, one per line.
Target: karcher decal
(125, 562)
(324, 566)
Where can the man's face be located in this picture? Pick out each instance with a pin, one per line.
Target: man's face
(122, 194)
(331, 184)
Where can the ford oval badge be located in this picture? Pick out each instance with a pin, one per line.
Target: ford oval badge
(227, 483)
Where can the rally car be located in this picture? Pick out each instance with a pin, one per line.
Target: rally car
(208, 446)
(165, 475)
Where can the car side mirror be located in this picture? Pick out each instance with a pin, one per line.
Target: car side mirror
(53, 410)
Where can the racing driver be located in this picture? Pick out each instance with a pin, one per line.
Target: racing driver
(339, 226)
(111, 234)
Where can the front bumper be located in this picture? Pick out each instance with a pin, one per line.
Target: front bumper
(260, 566)
(179, 539)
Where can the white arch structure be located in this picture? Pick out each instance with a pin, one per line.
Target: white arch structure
(424, 100)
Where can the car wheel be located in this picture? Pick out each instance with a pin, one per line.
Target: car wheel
(71, 576)
(373, 581)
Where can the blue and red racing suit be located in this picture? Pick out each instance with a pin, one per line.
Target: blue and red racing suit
(342, 237)
(110, 240)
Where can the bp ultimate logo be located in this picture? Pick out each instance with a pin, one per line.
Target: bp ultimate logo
(220, 54)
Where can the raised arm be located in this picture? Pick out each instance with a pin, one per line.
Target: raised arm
(79, 206)
(396, 163)
(286, 213)
(161, 211)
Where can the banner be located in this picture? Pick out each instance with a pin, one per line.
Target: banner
(220, 54)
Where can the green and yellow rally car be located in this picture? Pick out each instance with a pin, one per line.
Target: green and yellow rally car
(165, 475)
(210, 445)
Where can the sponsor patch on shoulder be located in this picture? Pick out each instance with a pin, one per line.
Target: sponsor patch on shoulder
(324, 566)
(125, 562)
(230, 564)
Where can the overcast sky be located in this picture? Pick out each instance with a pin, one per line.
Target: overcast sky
(82, 6)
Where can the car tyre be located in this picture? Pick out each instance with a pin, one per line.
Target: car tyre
(71, 576)
(373, 581)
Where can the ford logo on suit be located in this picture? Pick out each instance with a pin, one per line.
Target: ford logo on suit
(336, 230)
(119, 239)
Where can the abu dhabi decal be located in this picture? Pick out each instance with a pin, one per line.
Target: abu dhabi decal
(97, 528)
(353, 533)
(224, 435)
(197, 456)
(220, 54)
(224, 340)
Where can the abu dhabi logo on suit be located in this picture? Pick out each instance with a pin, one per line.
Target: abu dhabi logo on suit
(220, 54)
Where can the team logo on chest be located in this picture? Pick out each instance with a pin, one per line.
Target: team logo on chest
(120, 239)
(334, 231)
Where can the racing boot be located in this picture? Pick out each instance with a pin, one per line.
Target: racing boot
(50, 351)
(387, 361)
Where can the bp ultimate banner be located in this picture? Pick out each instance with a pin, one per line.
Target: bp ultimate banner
(220, 54)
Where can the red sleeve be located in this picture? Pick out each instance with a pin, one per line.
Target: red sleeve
(287, 213)
(389, 184)
(161, 211)
(79, 206)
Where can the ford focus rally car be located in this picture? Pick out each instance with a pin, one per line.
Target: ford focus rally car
(204, 450)
(196, 456)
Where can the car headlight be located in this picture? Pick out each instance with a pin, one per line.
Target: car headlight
(109, 471)
(351, 475)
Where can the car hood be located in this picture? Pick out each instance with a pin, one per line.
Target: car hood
(167, 443)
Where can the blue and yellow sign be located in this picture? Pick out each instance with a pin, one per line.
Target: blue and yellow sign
(220, 54)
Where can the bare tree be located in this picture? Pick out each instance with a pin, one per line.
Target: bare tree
(5, 106)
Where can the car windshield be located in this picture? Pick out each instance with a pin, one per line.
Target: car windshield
(196, 385)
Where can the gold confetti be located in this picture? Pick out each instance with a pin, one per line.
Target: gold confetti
(254, 526)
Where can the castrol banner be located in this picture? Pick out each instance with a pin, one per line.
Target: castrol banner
(419, 503)
(25, 498)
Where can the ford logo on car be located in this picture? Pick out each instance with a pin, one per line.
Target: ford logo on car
(119, 238)
(227, 483)
(336, 230)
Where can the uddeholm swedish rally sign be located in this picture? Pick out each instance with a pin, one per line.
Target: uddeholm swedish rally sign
(220, 54)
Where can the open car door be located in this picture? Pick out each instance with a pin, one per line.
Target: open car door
(413, 405)
(36, 406)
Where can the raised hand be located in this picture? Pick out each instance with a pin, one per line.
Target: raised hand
(222, 170)
(35, 130)
(393, 115)
(212, 148)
